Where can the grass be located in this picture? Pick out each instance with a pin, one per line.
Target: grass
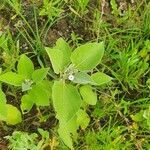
(121, 118)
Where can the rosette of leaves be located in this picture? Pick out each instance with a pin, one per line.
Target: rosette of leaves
(36, 89)
(68, 98)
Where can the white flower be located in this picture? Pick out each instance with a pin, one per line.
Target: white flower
(71, 77)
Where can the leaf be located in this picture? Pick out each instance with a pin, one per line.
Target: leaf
(82, 119)
(39, 95)
(101, 78)
(3, 111)
(39, 74)
(66, 130)
(88, 95)
(66, 100)
(26, 103)
(62, 45)
(87, 56)
(44, 133)
(13, 115)
(47, 86)
(138, 117)
(56, 58)
(12, 78)
(65, 136)
(83, 78)
(25, 66)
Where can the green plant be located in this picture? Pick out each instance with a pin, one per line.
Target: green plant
(81, 6)
(21, 140)
(130, 67)
(109, 138)
(73, 69)
(9, 50)
(31, 82)
(51, 9)
(142, 118)
(146, 18)
(34, 36)
(114, 6)
(25, 141)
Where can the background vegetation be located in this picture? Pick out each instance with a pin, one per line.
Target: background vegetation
(120, 120)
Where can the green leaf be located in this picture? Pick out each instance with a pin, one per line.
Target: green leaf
(26, 104)
(101, 78)
(44, 133)
(67, 129)
(82, 119)
(13, 115)
(88, 95)
(39, 74)
(25, 66)
(65, 136)
(66, 100)
(56, 58)
(87, 56)
(12, 78)
(62, 45)
(83, 78)
(39, 95)
(3, 110)
(47, 86)
(138, 117)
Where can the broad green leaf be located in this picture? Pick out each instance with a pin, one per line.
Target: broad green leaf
(39, 74)
(47, 86)
(68, 130)
(101, 78)
(87, 56)
(83, 78)
(12, 78)
(39, 95)
(26, 104)
(82, 119)
(13, 115)
(62, 45)
(56, 58)
(65, 136)
(3, 110)
(88, 95)
(25, 66)
(66, 100)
